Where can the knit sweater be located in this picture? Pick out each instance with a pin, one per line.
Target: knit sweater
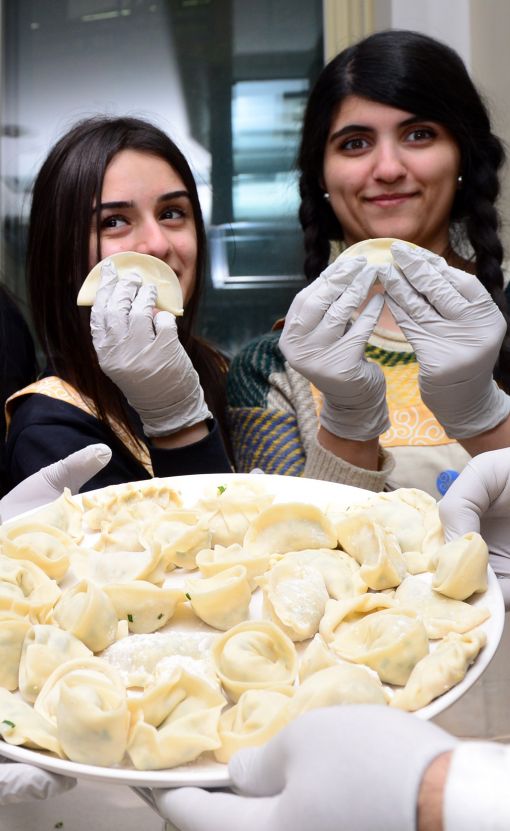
(273, 415)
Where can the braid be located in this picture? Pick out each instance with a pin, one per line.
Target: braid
(319, 227)
(482, 227)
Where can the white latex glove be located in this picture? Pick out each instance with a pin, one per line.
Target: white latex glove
(352, 768)
(479, 500)
(319, 341)
(49, 482)
(23, 783)
(140, 351)
(456, 331)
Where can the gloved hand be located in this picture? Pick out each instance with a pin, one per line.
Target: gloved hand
(456, 331)
(356, 767)
(140, 351)
(49, 482)
(479, 500)
(23, 783)
(319, 341)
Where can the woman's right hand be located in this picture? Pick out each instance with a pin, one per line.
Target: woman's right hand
(140, 351)
(321, 343)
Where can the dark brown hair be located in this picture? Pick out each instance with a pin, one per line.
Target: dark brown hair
(67, 187)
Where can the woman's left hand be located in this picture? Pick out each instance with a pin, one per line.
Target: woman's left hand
(456, 331)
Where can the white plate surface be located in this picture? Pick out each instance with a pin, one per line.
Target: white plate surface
(206, 772)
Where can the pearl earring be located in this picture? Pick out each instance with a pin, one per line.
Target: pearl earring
(326, 196)
(459, 181)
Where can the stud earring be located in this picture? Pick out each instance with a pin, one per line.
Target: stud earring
(326, 196)
(459, 181)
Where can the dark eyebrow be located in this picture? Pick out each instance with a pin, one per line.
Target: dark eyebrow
(364, 128)
(173, 194)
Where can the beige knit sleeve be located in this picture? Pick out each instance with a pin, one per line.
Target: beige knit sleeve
(322, 464)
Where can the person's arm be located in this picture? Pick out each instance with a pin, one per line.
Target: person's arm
(360, 453)
(494, 439)
(431, 794)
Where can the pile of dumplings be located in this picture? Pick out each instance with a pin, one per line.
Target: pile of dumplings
(143, 632)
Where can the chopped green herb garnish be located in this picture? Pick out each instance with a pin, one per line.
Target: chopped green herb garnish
(59, 824)
(160, 615)
(130, 618)
(188, 596)
(221, 489)
(9, 723)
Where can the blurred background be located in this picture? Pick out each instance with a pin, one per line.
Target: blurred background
(228, 80)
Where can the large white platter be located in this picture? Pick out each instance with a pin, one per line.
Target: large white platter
(207, 772)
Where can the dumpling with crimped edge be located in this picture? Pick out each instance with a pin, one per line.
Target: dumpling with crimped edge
(230, 509)
(122, 533)
(43, 545)
(440, 670)
(440, 614)
(174, 722)
(291, 526)
(177, 537)
(255, 655)
(21, 725)
(343, 683)
(45, 648)
(376, 550)
(461, 567)
(26, 589)
(340, 571)
(138, 658)
(221, 601)
(257, 716)
(150, 269)
(87, 612)
(142, 501)
(211, 561)
(13, 628)
(377, 251)
(87, 702)
(108, 567)
(64, 513)
(146, 607)
(375, 631)
(295, 597)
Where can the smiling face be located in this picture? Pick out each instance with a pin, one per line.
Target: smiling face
(390, 174)
(145, 207)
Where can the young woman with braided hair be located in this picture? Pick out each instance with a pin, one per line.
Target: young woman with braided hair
(390, 383)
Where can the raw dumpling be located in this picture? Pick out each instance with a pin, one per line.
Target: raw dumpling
(87, 612)
(108, 567)
(43, 545)
(45, 648)
(255, 655)
(340, 572)
(290, 527)
(229, 509)
(64, 513)
(440, 614)
(295, 597)
(211, 561)
(138, 658)
(390, 640)
(256, 717)
(26, 589)
(20, 724)
(440, 670)
(223, 600)
(175, 720)
(461, 567)
(375, 549)
(316, 656)
(150, 269)
(13, 628)
(377, 251)
(340, 684)
(145, 606)
(86, 700)
(142, 501)
(177, 537)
